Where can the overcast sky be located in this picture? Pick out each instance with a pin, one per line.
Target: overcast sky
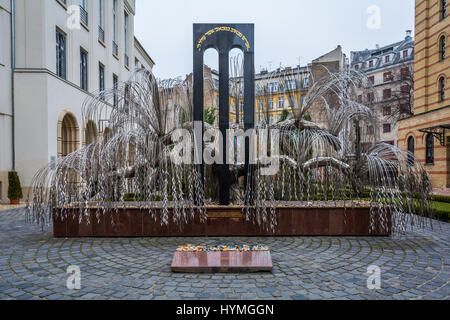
(285, 30)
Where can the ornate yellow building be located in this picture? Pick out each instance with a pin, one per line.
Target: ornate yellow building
(276, 93)
(427, 132)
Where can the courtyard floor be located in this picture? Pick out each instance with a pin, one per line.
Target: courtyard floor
(33, 266)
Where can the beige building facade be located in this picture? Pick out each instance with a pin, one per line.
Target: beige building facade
(426, 134)
(59, 63)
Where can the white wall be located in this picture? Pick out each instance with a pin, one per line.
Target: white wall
(5, 98)
(41, 96)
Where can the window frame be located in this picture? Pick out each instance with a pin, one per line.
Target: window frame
(429, 149)
(84, 70)
(61, 54)
(442, 47)
(441, 84)
(411, 150)
(101, 80)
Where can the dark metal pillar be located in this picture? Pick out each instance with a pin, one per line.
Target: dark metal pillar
(224, 122)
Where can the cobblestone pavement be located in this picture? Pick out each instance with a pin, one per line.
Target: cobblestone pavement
(33, 266)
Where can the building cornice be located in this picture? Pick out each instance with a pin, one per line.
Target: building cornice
(143, 52)
(46, 71)
(425, 113)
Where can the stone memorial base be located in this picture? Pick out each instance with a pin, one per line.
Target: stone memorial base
(292, 220)
(222, 262)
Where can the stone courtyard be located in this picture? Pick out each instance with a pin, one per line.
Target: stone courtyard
(33, 265)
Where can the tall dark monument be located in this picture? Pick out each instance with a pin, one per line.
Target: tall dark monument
(223, 38)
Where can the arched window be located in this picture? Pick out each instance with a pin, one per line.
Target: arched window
(90, 132)
(107, 134)
(67, 135)
(411, 148)
(442, 48)
(429, 157)
(441, 89)
(443, 9)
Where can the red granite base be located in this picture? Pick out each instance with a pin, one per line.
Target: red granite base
(223, 262)
(222, 221)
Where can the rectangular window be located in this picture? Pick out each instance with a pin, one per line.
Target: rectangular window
(404, 73)
(83, 12)
(101, 28)
(136, 64)
(370, 97)
(386, 128)
(115, 46)
(371, 64)
(387, 93)
(270, 103)
(405, 89)
(405, 54)
(115, 86)
(443, 9)
(291, 100)
(101, 80)
(281, 102)
(273, 87)
(83, 70)
(291, 84)
(60, 54)
(372, 80)
(404, 108)
(125, 43)
(387, 59)
(387, 111)
(387, 76)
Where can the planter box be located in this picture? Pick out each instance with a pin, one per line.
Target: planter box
(222, 222)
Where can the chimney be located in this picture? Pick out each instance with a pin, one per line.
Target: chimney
(408, 33)
(377, 46)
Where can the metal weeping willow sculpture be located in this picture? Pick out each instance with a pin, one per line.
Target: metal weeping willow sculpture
(322, 163)
(319, 164)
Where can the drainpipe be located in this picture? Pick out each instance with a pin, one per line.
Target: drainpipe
(13, 67)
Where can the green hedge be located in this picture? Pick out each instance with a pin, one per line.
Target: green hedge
(14, 187)
(444, 199)
(441, 211)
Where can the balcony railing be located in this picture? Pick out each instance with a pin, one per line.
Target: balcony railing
(115, 49)
(101, 34)
(84, 15)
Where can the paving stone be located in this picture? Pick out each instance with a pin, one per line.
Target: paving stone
(33, 265)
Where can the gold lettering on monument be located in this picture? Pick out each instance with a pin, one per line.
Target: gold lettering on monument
(219, 29)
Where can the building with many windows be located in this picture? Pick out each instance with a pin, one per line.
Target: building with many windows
(277, 92)
(389, 91)
(426, 134)
(64, 52)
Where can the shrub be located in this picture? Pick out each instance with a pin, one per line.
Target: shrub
(445, 199)
(14, 188)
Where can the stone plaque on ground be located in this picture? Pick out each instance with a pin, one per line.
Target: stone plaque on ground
(222, 262)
